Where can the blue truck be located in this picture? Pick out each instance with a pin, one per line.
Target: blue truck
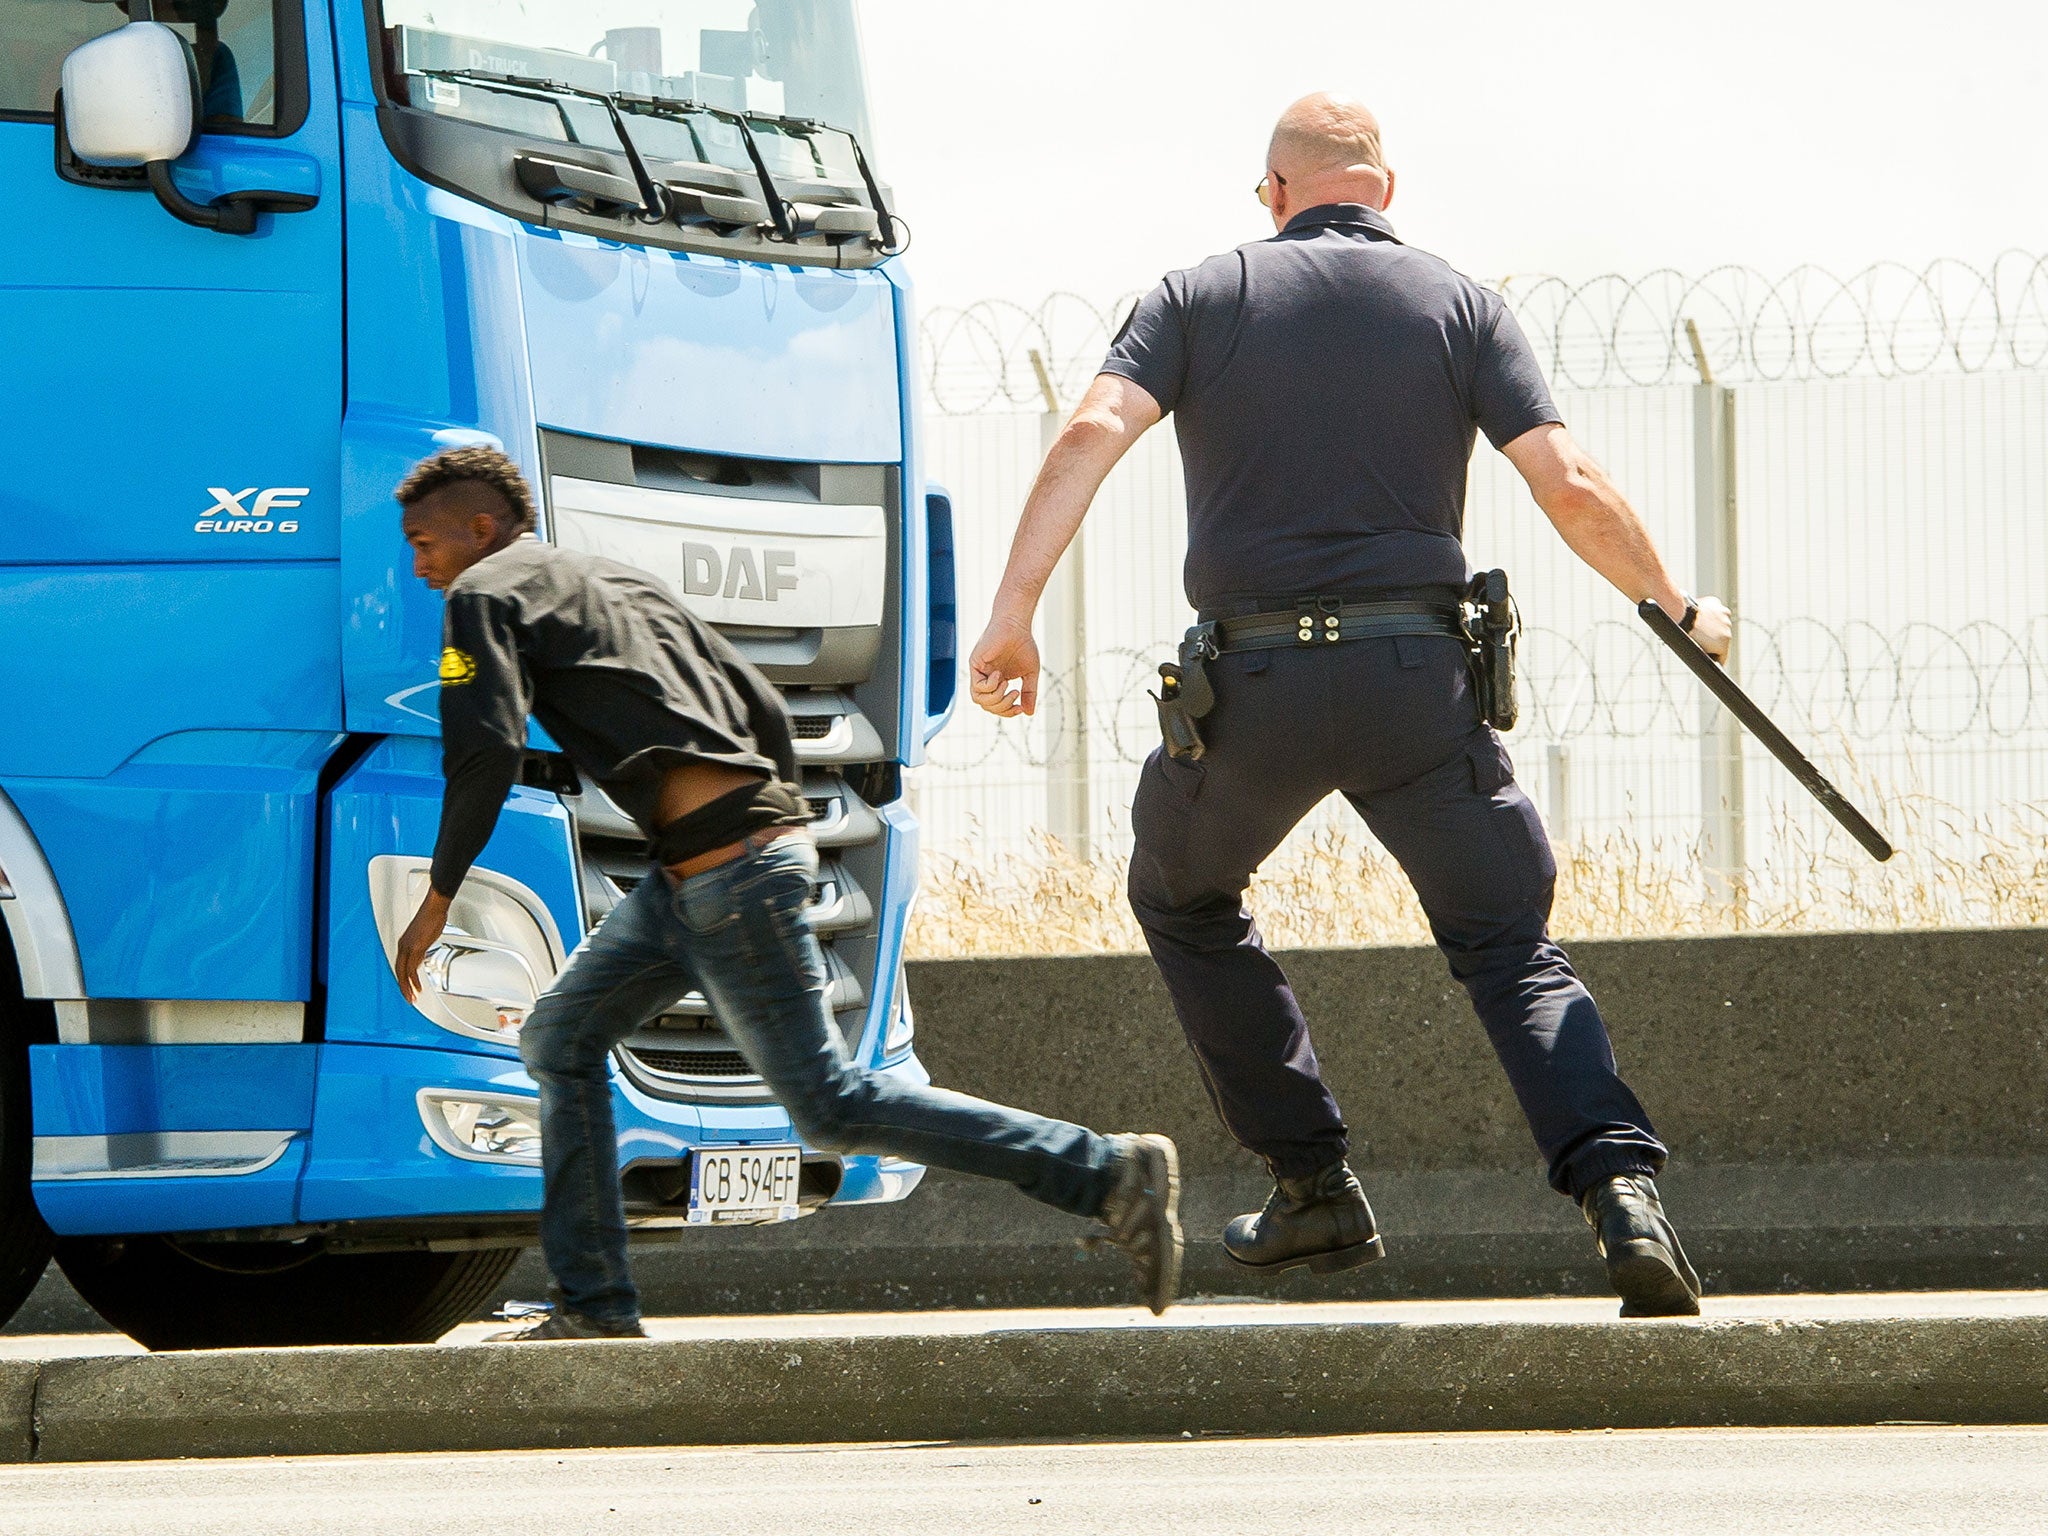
(265, 256)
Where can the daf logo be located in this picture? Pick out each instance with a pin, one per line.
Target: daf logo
(234, 512)
(740, 574)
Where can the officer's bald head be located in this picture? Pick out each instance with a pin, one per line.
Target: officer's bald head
(1326, 149)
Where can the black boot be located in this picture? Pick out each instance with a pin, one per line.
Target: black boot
(1645, 1264)
(1322, 1221)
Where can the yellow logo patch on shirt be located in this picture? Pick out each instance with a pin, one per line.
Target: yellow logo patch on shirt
(457, 668)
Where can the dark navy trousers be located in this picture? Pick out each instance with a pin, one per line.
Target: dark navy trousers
(1392, 724)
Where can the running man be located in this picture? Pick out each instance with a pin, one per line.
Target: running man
(666, 717)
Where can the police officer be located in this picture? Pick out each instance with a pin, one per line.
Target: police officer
(1327, 385)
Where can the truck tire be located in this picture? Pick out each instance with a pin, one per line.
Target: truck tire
(24, 1241)
(168, 1294)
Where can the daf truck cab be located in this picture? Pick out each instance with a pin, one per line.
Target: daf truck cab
(263, 257)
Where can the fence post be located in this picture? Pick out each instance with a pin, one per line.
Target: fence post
(1557, 787)
(1716, 570)
(1063, 656)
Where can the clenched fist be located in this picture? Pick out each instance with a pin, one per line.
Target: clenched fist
(1002, 670)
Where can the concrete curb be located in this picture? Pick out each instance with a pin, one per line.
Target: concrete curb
(17, 1410)
(1264, 1379)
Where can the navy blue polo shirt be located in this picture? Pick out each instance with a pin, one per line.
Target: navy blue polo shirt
(1327, 385)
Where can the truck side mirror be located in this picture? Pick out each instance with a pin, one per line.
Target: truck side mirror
(131, 97)
(129, 106)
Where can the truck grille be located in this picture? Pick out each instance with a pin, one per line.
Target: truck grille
(834, 661)
(715, 1064)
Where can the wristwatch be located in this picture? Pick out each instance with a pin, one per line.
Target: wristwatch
(1692, 612)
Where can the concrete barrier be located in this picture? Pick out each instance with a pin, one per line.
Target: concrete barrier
(1056, 1383)
(1892, 1047)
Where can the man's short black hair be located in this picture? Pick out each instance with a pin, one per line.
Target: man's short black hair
(479, 466)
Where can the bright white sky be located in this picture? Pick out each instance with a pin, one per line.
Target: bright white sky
(1093, 144)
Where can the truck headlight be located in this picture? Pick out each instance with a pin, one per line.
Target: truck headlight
(483, 1130)
(498, 954)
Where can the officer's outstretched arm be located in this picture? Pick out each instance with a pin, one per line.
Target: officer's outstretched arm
(1603, 530)
(1003, 667)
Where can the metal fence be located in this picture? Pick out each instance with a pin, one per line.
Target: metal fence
(1859, 464)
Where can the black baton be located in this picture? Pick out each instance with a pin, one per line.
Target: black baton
(1743, 708)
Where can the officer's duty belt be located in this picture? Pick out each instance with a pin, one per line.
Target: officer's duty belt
(1186, 694)
(1327, 621)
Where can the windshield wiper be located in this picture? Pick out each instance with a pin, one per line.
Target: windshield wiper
(810, 128)
(654, 198)
(676, 106)
(656, 202)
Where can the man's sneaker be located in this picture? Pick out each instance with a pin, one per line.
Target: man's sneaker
(1322, 1221)
(561, 1323)
(1142, 1215)
(1645, 1264)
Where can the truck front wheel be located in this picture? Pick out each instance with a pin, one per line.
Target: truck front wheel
(170, 1294)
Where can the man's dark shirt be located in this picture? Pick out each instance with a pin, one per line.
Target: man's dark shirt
(1326, 385)
(621, 675)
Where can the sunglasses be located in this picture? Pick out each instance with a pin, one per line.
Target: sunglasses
(1264, 190)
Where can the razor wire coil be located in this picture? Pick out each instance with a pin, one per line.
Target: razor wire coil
(1917, 684)
(1886, 320)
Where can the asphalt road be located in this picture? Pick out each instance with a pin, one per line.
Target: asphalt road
(1817, 1482)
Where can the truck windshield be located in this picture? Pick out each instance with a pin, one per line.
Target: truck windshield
(776, 58)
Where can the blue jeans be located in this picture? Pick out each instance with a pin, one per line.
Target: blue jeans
(738, 934)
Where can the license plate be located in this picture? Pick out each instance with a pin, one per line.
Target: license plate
(744, 1184)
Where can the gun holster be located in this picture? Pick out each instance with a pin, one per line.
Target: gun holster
(1185, 694)
(1492, 626)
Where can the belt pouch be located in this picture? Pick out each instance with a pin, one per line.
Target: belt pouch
(1177, 729)
(1185, 694)
(1494, 626)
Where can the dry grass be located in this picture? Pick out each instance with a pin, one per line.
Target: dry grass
(1332, 887)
